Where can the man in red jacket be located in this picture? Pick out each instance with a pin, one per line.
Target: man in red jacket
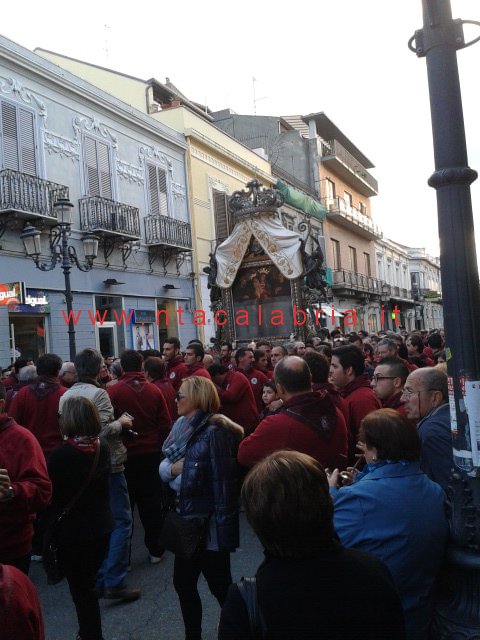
(151, 421)
(236, 396)
(308, 421)
(155, 370)
(36, 406)
(25, 488)
(176, 369)
(245, 361)
(347, 373)
(388, 381)
(20, 612)
(194, 355)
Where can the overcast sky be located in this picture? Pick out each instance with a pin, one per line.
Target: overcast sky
(348, 58)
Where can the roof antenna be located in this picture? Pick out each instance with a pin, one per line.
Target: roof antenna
(255, 99)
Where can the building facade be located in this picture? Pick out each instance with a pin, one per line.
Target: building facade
(125, 173)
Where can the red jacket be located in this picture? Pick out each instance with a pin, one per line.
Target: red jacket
(394, 403)
(22, 457)
(36, 408)
(257, 379)
(197, 370)
(359, 401)
(20, 612)
(145, 402)
(229, 363)
(169, 393)
(176, 371)
(238, 402)
(309, 423)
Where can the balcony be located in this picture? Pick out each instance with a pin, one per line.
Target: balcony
(162, 230)
(344, 164)
(28, 197)
(109, 218)
(351, 283)
(350, 217)
(399, 293)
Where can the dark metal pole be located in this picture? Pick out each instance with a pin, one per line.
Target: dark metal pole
(66, 268)
(458, 612)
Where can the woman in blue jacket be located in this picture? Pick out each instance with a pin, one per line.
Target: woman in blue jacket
(396, 512)
(201, 466)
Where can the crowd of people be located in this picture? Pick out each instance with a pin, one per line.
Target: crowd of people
(324, 439)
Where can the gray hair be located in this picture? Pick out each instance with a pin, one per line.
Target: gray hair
(67, 367)
(28, 373)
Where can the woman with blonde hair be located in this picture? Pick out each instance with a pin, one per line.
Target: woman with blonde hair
(80, 474)
(200, 466)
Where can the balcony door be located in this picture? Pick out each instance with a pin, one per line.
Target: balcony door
(18, 140)
(98, 168)
(157, 191)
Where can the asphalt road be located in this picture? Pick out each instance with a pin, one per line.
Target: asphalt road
(156, 615)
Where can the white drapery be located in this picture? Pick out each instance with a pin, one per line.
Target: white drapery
(280, 244)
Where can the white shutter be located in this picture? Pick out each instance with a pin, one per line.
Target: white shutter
(9, 137)
(18, 139)
(27, 153)
(98, 169)
(157, 190)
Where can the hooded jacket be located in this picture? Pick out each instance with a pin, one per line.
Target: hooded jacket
(209, 477)
(35, 407)
(238, 401)
(308, 422)
(22, 457)
(176, 371)
(145, 402)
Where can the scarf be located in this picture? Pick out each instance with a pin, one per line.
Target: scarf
(85, 444)
(175, 445)
(314, 409)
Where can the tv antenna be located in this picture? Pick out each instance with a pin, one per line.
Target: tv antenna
(255, 99)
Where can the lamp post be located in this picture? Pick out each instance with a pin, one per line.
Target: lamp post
(62, 253)
(458, 613)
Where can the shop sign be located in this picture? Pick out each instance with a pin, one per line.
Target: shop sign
(36, 301)
(11, 293)
(140, 316)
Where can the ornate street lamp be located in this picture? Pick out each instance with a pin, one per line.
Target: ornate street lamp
(62, 253)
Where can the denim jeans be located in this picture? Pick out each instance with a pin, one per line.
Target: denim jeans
(114, 568)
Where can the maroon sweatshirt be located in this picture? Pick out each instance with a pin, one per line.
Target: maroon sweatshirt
(20, 612)
(176, 371)
(238, 402)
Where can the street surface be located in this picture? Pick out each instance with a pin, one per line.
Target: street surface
(156, 615)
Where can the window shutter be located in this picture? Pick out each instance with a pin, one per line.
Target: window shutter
(157, 190)
(98, 169)
(9, 135)
(27, 153)
(220, 210)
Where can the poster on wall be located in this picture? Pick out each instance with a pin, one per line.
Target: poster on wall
(142, 335)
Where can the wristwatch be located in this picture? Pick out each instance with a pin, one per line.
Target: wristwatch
(9, 495)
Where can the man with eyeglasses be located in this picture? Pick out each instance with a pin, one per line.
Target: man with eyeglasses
(387, 383)
(425, 398)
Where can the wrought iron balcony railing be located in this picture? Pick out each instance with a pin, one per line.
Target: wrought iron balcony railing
(108, 217)
(337, 206)
(333, 149)
(355, 281)
(29, 196)
(162, 230)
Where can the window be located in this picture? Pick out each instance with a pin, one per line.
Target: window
(363, 208)
(157, 190)
(353, 259)
(18, 139)
(368, 270)
(329, 190)
(348, 199)
(337, 264)
(220, 212)
(98, 168)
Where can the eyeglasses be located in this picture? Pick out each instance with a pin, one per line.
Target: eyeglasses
(376, 378)
(411, 392)
(180, 396)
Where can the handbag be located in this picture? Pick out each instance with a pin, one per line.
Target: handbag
(248, 590)
(183, 536)
(51, 561)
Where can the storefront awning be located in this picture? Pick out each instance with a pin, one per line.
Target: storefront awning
(327, 309)
(301, 201)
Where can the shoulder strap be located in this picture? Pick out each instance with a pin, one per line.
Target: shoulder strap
(248, 591)
(75, 498)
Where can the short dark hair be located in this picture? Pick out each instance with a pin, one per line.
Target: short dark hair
(435, 341)
(280, 346)
(19, 364)
(155, 367)
(263, 343)
(131, 360)
(217, 370)
(390, 343)
(227, 344)
(294, 379)
(150, 353)
(396, 368)
(318, 365)
(350, 356)
(88, 364)
(257, 354)
(391, 434)
(326, 349)
(239, 353)
(287, 503)
(79, 417)
(173, 340)
(417, 342)
(197, 349)
(270, 384)
(49, 365)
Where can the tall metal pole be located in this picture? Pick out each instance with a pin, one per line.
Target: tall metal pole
(66, 268)
(458, 611)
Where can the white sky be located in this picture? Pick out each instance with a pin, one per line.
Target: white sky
(348, 58)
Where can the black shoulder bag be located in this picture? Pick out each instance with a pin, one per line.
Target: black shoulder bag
(51, 560)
